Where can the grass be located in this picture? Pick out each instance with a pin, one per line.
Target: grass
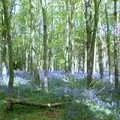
(88, 111)
(70, 112)
(75, 111)
(21, 112)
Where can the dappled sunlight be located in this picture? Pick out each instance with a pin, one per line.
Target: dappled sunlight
(59, 60)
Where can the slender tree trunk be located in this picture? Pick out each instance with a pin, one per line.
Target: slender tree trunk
(31, 41)
(100, 58)
(9, 42)
(51, 50)
(67, 39)
(3, 43)
(115, 45)
(91, 28)
(70, 38)
(45, 37)
(108, 42)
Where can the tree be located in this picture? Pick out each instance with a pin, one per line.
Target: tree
(45, 38)
(92, 18)
(7, 20)
(108, 41)
(100, 57)
(115, 46)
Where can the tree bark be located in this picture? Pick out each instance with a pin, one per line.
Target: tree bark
(9, 42)
(45, 38)
(108, 41)
(115, 46)
(12, 102)
(100, 58)
(91, 29)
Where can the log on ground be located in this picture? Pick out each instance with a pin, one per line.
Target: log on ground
(12, 101)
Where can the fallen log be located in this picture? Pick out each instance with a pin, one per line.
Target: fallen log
(12, 101)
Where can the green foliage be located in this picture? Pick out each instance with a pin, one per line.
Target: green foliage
(77, 83)
(97, 83)
(74, 110)
(66, 32)
(30, 113)
(82, 111)
(3, 95)
(78, 111)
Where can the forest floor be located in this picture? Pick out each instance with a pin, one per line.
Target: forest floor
(97, 103)
(30, 113)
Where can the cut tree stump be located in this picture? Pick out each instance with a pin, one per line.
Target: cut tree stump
(12, 101)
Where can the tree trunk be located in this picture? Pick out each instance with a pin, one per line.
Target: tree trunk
(12, 102)
(69, 34)
(115, 46)
(45, 37)
(91, 28)
(108, 42)
(3, 41)
(9, 42)
(100, 58)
